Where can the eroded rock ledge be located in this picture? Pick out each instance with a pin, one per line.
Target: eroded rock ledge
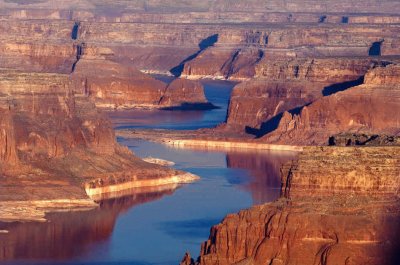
(54, 143)
(339, 205)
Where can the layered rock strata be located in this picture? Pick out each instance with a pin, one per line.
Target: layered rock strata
(371, 108)
(333, 210)
(120, 86)
(55, 143)
(284, 85)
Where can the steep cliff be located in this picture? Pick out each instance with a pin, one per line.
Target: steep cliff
(334, 210)
(56, 147)
(371, 108)
(286, 84)
(115, 85)
(184, 94)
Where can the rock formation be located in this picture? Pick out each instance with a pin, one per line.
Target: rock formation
(339, 205)
(371, 108)
(349, 139)
(284, 85)
(184, 94)
(54, 143)
(114, 85)
(119, 86)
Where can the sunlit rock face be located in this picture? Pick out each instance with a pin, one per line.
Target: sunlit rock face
(284, 85)
(114, 85)
(119, 86)
(55, 143)
(372, 107)
(333, 210)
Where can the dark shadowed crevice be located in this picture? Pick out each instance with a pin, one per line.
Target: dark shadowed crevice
(266, 127)
(79, 53)
(332, 89)
(272, 124)
(322, 19)
(75, 31)
(375, 49)
(204, 44)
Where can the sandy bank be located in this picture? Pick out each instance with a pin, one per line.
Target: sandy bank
(26, 211)
(232, 145)
(97, 193)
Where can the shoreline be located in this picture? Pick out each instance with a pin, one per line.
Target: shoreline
(192, 138)
(232, 145)
(112, 191)
(36, 210)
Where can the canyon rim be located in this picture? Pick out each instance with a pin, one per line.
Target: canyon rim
(111, 110)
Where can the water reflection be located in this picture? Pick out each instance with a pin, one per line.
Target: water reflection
(217, 92)
(148, 227)
(264, 168)
(72, 234)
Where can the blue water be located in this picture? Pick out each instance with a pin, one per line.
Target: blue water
(154, 226)
(217, 92)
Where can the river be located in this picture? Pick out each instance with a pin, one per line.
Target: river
(156, 226)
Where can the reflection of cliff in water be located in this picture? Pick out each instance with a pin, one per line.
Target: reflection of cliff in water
(150, 118)
(264, 170)
(68, 235)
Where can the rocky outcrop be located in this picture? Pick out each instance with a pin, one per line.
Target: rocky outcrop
(371, 108)
(184, 94)
(349, 139)
(114, 85)
(334, 210)
(55, 143)
(119, 86)
(284, 85)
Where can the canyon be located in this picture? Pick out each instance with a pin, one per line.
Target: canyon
(56, 144)
(321, 78)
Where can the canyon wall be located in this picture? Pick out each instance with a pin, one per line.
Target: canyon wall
(54, 144)
(284, 85)
(326, 215)
(371, 108)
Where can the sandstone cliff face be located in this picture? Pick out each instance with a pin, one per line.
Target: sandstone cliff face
(117, 86)
(8, 152)
(37, 45)
(284, 85)
(114, 85)
(371, 108)
(182, 91)
(328, 216)
(54, 143)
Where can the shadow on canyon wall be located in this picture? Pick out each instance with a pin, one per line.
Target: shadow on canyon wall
(204, 44)
(272, 124)
(375, 49)
(332, 89)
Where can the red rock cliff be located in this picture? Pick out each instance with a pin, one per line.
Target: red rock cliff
(371, 108)
(335, 211)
